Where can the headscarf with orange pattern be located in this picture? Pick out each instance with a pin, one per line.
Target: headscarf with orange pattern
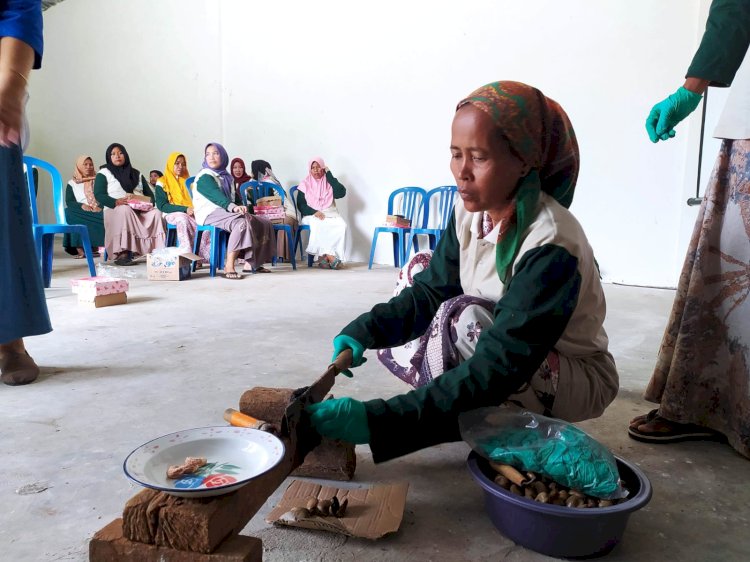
(540, 134)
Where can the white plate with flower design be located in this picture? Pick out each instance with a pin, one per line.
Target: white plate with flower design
(235, 456)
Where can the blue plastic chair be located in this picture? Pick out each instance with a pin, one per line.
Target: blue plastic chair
(172, 229)
(268, 189)
(445, 195)
(407, 202)
(300, 228)
(44, 234)
(219, 239)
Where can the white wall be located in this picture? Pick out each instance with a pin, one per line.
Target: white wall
(373, 89)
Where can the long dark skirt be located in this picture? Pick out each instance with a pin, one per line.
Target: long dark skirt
(24, 310)
(94, 222)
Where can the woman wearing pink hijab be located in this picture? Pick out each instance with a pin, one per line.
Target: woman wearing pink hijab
(316, 200)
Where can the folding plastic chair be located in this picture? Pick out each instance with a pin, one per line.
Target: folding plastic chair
(300, 227)
(407, 202)
(44, 234)
(445, 196)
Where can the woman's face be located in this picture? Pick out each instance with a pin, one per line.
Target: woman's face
(179, 166)
(238, 170)
(213, 158)
(88, 168)
(485, 169)
(117, 157)
(153, 177)
(316, 171)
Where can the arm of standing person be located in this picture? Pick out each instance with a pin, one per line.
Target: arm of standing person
(720, 54)
(70, 198)
(101, 194)
(338, 188)
(162, 202)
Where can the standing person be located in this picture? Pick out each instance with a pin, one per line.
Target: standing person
(316, 200)
(127, 232)
(239, 176)
(702, 376)
(261, 171)
(81, 207)
(250, 237)
(513, 243)
(24, 310)
(173, 200)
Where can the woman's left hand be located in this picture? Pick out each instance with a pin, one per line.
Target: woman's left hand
(240, 209)
(190, 212)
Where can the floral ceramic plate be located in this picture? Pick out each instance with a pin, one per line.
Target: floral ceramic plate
(235, 456)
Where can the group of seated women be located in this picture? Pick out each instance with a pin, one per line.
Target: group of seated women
(114, 205)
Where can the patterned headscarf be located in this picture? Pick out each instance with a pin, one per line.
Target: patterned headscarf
(226, 177)
(540, 134)
(126, 175)
(88, 182)
(175, 187)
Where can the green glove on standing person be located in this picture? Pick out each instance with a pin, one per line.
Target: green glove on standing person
(667, 113)
(341, 418)
(342, 342)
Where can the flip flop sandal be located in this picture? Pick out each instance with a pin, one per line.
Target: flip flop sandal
(78, 257)
(232, 275)
(124, 262)
(262, 269)
(675, 432)
(645, 418)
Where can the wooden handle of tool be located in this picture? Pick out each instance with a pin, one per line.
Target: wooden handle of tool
(343, 361)
(237, 418)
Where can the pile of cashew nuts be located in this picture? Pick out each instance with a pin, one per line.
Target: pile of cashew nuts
(542, 489)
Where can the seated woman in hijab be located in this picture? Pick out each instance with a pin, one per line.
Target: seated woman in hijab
(81, 207)
(239, 176)
(261, 171)
(515, 253)
(174, 201)
(128, 232)
(250, 237)
(316, 201)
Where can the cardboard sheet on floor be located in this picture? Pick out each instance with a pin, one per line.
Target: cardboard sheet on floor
(371, 513)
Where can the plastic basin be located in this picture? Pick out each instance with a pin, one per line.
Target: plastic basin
(555, 530)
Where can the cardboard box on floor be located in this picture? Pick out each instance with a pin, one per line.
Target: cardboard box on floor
(105, 300)
(170, 266)
(371, 512)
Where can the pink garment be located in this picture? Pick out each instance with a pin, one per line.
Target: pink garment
(318, 193)
(185, 226)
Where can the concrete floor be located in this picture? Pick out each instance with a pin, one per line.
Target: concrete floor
(179, 353)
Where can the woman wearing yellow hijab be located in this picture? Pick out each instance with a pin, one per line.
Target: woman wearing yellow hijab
(174, 201)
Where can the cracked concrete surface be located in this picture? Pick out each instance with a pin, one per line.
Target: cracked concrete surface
(178, 354)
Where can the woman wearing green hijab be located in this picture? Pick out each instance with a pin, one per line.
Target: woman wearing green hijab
(512, 243)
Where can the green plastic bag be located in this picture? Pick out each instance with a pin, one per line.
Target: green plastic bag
(552, 447)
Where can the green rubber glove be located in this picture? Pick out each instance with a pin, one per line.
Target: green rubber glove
(667, 113)
(342, 342)
(341, 418)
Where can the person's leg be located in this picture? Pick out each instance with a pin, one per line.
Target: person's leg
(229, 266)
(24, 310)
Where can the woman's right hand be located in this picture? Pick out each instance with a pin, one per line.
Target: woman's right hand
(121, 201)
(240, 209)
(190, 212)
(319, 215)
(12, 100)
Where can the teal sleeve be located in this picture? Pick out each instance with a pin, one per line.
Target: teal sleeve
(100, 192)
(338, 188)
(528, 321)
(70, 198)
(304, 209)
(163, 204)
(208, 187)
(147, 188)
(724, 42)
(408, 315)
